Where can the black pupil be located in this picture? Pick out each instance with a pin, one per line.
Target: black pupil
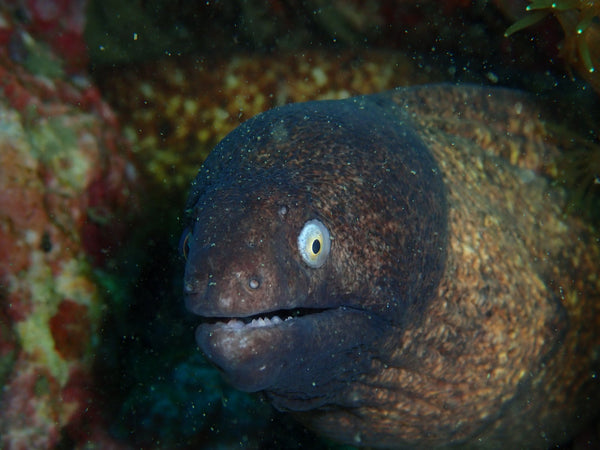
(316, 246)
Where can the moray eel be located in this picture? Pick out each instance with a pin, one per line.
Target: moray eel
(397, 269)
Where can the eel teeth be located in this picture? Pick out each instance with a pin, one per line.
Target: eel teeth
(237, 324)
(264, 322)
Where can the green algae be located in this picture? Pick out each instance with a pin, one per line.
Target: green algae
(40, 60)
(55, 142)
(50, 137)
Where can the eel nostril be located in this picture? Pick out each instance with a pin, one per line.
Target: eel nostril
(254, 283)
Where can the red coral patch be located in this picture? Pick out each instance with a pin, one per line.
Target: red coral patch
(70, 328)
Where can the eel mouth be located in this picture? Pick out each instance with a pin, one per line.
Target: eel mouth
(302, 346)
(257, 351)
(263, 319)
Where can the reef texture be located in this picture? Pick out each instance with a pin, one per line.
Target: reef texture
(63, 186)
(560, 41)
(176, 111)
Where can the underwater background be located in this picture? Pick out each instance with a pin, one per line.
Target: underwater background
(108, 109)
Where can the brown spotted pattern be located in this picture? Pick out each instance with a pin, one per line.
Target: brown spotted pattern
(504, 351)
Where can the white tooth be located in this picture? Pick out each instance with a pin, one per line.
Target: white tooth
(235, 324)
(289, 318)
(265, 321)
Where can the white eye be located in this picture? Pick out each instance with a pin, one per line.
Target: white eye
(314, 243)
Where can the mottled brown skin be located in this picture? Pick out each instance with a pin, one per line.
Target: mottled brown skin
(458, 305)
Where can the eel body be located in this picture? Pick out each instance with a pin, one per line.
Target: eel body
(398, 269)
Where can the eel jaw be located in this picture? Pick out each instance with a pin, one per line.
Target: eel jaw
(245, 348)
(301, 353)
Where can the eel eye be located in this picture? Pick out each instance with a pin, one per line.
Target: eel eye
(314, 243)
(184, 243)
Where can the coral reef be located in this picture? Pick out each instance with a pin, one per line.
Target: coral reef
(46, 36)
(177, 110)
(64, 179)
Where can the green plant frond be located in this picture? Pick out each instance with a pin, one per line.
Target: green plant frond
(526, 21)
(585, 55)
(585, 22)
(560, 5)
